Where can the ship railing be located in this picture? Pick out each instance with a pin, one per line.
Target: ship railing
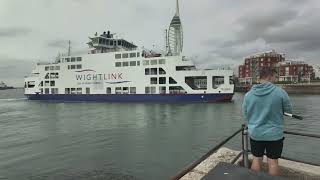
(244, 151)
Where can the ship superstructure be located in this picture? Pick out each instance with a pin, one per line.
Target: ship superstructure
(117, 70)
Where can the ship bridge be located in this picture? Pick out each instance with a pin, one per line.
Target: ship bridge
(107, 43)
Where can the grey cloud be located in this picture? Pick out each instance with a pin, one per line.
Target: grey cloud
(14, 31)
(289, 30)
(256, 26)
(58, 44)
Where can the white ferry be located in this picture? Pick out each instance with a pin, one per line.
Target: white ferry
(116, 70)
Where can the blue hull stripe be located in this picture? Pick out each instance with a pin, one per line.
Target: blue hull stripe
(134, 97)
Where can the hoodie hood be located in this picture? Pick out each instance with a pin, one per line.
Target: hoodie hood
(263, 89)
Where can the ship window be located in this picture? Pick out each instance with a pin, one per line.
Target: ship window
(133, 63)
(118, 64)
(161, 71)
(79, 59)
(231, 80)
(54, 91)
(146, 62)
(118, 56)
(52, 75)
(79, 66)
(153, 90)
(108, 90)
(133, 55)
(111, 43)
(138, 63)
(51, 68)
(162, 61)
(196, 82)
(119, 43)
(118, 90)
(68, 59)
(67, 90)
(176, 90)
(47, 91)
(31, 84)
(147, 71)
(217, 81)
(162, 89)
(100, 41)
(52, 83)
(57, 68)
(46, 68)
(87, 90)
(172, 81)
(46, 83)
(133, 90)
(147, 90)
(162, 80)
(138, 54)
(47, 76)
(73, 66)
(79, 90)
(125, 55)
(41, 84)
(73, 91)
(154, 71)
(69, 67)
(153, 80)
(153, 62)
(150, 90)
(73, 59)
(125, 90)
(126, 63)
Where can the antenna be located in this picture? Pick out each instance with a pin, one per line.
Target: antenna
(69, 48)
(177, 11)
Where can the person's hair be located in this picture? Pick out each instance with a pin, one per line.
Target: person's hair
(266, 72)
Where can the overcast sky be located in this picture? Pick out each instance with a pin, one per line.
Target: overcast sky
(215, 31)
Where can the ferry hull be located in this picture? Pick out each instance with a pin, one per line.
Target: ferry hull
(173, 98)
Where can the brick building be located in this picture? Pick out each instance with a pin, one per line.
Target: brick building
(249, 72)
(296, 71)
(293, 71)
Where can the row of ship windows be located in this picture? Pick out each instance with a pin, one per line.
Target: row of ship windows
(162, 80)
(117, 90)
(52, 76)
(154, 71)
(127, 63)
(154, 62)
(75, 66)
(71, 59)
(52, 68)
(137, 63)
(127, 55)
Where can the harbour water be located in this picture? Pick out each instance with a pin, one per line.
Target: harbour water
(52, 140)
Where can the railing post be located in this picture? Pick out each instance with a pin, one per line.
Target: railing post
(245, 145)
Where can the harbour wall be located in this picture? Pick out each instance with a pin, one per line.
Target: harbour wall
(313, 88)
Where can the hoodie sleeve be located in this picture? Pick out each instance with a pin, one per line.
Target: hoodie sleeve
(286, 104)
(244, 108)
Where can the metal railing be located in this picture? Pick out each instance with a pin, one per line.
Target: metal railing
(244, 151)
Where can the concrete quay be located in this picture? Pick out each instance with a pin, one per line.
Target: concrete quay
(288, 169)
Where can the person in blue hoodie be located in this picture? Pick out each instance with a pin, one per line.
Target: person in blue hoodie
(263, 108)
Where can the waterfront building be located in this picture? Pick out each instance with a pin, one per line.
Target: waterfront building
(288, 70)
(296, 71)
(249, 72)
